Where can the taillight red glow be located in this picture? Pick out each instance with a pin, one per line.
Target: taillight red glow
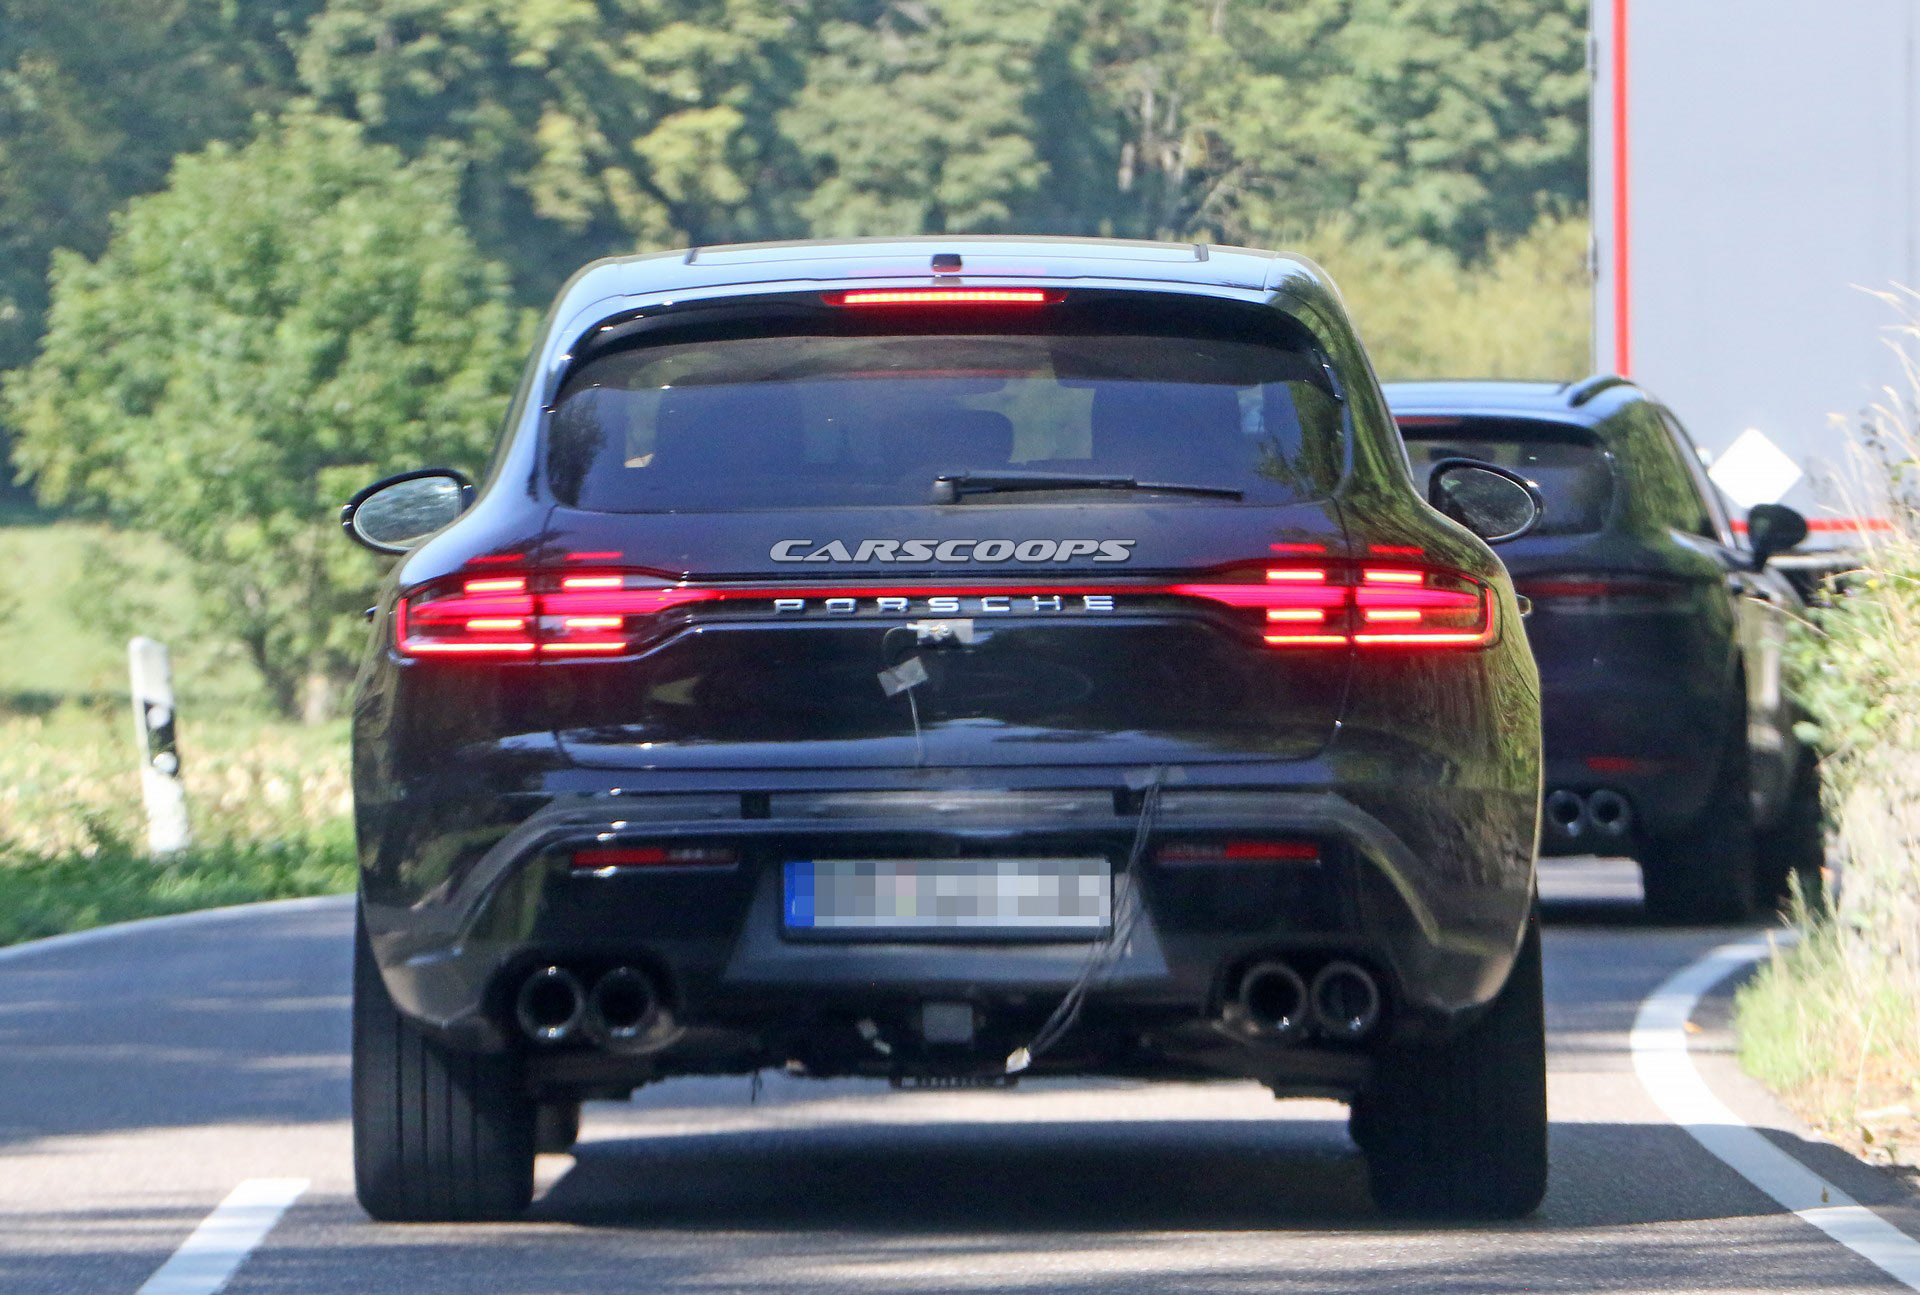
(595, 858)
(945, 297)
(534, 614)
(558, 614)
(1320, 607)
(1240, 852)
(1605, 586)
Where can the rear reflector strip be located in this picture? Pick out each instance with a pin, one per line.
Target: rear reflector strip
(1187, 852)
(599, 857)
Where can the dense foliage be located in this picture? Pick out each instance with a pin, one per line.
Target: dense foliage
(1835, 1021)
(231, 356)
(283, 323)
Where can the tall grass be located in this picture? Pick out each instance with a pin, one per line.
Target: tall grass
(1834, 1023)
(269, 805)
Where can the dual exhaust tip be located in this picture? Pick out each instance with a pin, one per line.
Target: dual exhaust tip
(1603, 814)
(621, 1009)
(1341, 1003)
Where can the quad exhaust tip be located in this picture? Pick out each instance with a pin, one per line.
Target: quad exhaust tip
(1609, 812)
(1345, 1001)
(1567, 812)
(1273, 999)
(623, 1006)
(550, 1005)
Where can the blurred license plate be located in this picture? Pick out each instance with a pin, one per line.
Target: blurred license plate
(934, 897)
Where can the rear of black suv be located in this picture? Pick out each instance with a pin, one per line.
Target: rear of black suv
(950, 662)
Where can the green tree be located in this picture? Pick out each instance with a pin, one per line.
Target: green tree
(279, 325)
(586, 126)
(97, 98)
(1448, 121)
(919, 117)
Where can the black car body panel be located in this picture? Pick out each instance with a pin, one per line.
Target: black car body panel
(1083, 658)
(1648, 617)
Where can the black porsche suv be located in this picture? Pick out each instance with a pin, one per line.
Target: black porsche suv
(948, 661)
(1661, 638)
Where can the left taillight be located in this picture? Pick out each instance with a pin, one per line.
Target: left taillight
(534, 614)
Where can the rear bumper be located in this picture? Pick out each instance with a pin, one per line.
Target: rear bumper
(459, 913)
(1656, 745)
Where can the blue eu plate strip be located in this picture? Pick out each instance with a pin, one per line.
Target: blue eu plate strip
(800, 894)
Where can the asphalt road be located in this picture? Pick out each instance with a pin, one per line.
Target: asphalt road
(143, 1076)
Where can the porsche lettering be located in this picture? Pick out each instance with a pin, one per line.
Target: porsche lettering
(947, 605)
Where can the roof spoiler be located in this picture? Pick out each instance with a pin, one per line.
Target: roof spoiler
(1587, 389)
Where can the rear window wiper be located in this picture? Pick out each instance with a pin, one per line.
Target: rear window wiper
(950, 489)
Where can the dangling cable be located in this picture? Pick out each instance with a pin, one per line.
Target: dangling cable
(1126, 915)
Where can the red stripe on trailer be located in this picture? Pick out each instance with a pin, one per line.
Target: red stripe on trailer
(1622, 257)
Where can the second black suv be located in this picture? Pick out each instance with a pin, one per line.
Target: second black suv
(1659, 635)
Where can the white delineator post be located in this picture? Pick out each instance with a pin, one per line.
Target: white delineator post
(150, 671)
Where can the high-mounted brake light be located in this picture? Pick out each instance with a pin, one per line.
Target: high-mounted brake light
(945, 297)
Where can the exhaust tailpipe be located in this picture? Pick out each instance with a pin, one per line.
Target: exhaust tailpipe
(550, 1005)
(1345, 1001)
(623, 1007)
(1567, 813)
(1610, 813)
(1273, 999)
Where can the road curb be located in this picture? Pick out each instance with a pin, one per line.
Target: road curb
(168, 921)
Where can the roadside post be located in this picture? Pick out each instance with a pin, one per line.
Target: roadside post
(150, 671)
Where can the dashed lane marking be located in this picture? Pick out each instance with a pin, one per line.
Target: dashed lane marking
(207, 1260)
(1665, 1066)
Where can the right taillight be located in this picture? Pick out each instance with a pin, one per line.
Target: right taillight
(1371, 605)
(1606, 591)
(545, 614)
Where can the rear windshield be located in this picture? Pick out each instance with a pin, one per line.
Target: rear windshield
(848, 410)
(1574, 474)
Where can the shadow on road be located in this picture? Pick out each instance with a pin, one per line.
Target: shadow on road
(1093, 1176)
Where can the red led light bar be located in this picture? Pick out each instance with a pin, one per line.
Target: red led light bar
(559, 614)
(945, 297)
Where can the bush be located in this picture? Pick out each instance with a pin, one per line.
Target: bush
(1834, 1023)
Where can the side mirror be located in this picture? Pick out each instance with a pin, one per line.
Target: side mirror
(1493, 503)
(1771, 529)
(394, 514)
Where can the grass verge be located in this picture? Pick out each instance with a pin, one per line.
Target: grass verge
(1837, 1036)
(51, 894)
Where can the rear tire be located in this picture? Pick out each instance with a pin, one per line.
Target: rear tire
(1796, 845)
(1459, 1128)
(1705, 873)
(556, 1127)
(438, 1135)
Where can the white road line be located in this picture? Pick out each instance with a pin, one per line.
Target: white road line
(169, 921)
(207, 1259)
(1661, 1059)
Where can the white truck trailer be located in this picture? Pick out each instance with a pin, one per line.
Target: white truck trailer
(1756, 177)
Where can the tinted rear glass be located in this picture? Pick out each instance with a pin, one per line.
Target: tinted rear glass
(1567, 463)
(847, 409)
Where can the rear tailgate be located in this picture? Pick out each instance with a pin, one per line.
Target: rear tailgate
(1108, 656)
